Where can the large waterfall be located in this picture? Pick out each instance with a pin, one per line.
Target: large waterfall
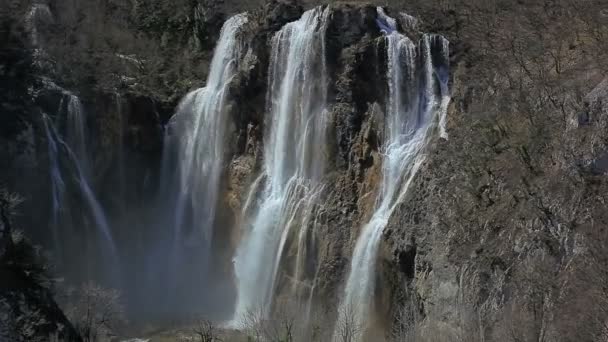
(413, 112)
(179, 241)
(198, 129)
(193, 162)
(294, 160)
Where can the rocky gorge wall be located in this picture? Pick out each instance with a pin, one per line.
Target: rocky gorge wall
(504, 222)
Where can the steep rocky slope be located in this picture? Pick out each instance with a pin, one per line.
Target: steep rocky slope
(500, 234)
(28, 310)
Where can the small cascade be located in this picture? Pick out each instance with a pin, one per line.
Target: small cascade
(76, 131)
(413, 113)
(386, 24)
(57, 183)
(58, 148)
(39, 13)
(442, 75)
(294, 160)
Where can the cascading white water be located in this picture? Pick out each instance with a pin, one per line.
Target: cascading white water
(442, 74)
(386, 24)
(412, 115)
(57, 183)
(76, 132)
(56, 146)
(294, 161)
(197, 133)
(38, 13)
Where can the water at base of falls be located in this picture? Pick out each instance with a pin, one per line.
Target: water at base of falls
(413, 114)
(297, 125)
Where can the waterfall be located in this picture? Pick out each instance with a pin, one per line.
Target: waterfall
(193, 159)
(412, 114)
(56, 145)
(76, 132)
(121, 155)
(386, 24)
(39, 13)
(294, 158)
(57, 182)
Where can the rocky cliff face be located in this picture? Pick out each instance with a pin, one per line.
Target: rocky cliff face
(492, 236)
(497, 238)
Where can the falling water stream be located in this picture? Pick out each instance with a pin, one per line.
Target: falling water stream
(198, 129)
(57, 148)
(57, 183)
(39, 13)
(294, 160)
(74, 204)
(76, 131)
(412, 114)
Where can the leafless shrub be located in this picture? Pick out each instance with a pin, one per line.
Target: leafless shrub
(277, 326)
(95, 312)
(289, 321)
(318, 328)
(405, 325)
(348, 328)
(206, 331)
(252, 322)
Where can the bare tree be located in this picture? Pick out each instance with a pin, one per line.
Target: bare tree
(288, 322)
(206, 331)
(405, 325)
(348, 328)
(318, 328)
(96, 312)
(252, 322)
